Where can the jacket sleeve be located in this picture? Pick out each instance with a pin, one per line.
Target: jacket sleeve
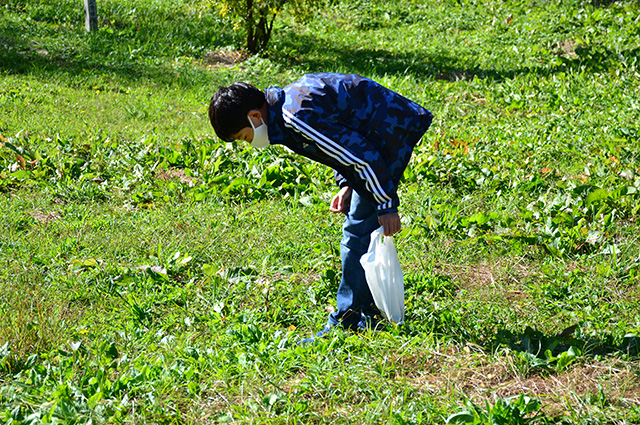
(340, 180)
(350, 154)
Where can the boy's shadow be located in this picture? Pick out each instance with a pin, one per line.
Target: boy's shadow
(534, 342)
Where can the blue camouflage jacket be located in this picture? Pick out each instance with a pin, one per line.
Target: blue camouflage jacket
(362, 130)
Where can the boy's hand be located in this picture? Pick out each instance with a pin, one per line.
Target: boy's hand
(390, 223)
(341, 202)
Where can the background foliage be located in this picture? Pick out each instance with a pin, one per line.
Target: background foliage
(151, 273)
(257, 17)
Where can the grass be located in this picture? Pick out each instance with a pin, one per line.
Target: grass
(153, 274)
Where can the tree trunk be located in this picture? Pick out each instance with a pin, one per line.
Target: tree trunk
(251, 33)
(263, 35)
(258, 27)
(91, 15)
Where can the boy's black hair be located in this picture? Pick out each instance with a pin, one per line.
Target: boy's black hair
(230, 106)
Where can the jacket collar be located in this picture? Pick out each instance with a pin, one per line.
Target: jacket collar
(275, 122)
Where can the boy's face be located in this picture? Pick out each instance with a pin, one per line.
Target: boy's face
(246, 133)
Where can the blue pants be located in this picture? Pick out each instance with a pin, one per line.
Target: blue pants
(354, 300)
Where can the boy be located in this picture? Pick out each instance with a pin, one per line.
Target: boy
(362, 130)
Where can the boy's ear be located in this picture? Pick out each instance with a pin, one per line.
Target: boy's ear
(255, 113)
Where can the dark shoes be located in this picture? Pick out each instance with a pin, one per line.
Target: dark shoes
(366, 324)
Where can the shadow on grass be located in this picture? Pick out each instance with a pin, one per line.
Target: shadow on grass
(146, 48)
(127, 48)
(536, 343)
(19, 59)
(319, 56)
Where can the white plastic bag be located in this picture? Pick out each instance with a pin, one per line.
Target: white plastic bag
(384, 276)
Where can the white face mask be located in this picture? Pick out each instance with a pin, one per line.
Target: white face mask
(260, 135)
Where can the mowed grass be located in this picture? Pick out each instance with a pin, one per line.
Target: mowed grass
(151, 274)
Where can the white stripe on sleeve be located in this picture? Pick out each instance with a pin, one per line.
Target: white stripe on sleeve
(340, 154)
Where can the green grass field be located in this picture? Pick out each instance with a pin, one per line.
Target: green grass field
(150, 273)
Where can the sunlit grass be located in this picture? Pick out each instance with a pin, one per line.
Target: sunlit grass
(150, 273)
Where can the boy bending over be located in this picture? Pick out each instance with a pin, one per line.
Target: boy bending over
(362, 130)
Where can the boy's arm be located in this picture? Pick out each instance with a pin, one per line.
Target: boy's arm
(390, 223)
(342, 200)
(348, 150)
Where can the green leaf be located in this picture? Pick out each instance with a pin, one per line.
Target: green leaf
(623, 191)
(527, 405)
(94, 399)
(464, 417)
(209, 270)
(21, 174)
(593, 237)
(597, 195)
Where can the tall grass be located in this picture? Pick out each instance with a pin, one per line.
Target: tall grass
(150, 273)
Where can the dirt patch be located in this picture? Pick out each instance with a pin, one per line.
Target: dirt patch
(614, 383)
(224, 58)
(498, 278)
(567, 48)
(470, 277)
(483, 378)
(213, 404)
(462, 372)
(44, 217)
(176, 175)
